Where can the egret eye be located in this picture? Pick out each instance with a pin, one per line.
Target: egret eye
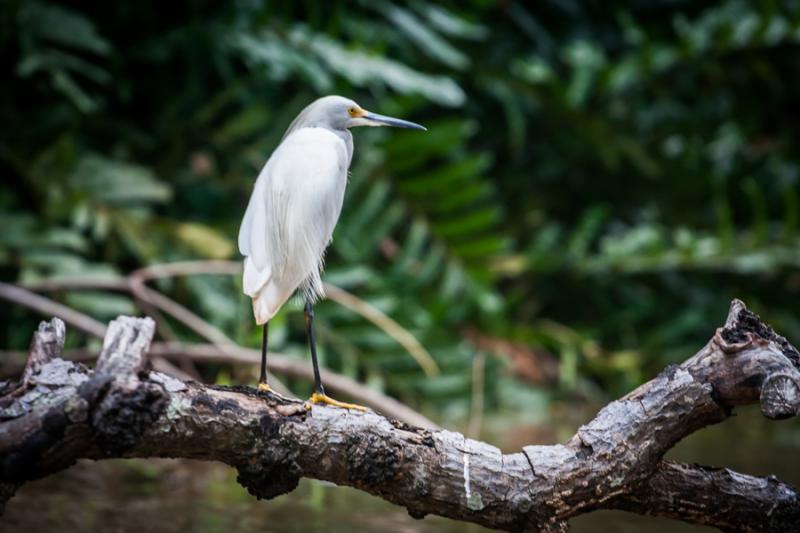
(352, 111)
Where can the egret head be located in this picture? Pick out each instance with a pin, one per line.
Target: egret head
(339, 113)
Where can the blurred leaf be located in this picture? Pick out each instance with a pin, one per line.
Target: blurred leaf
(450, 23)
(362, 69)
(426, 39)
(61, 25)
(205, 241)
(115, 182)
(104, 306)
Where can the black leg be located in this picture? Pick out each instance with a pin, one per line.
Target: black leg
(262, 380)
(308, 311)
(319, 396)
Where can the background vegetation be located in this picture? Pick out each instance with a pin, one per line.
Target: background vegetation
(598, 180)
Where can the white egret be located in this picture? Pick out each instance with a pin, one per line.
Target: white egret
(292, 211)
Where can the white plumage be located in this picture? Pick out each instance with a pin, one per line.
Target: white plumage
(296, 202)
(291, 216)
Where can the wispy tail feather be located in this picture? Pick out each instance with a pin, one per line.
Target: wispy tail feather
(261, 310)
(256, 284)
(253, 279)
(268, 301)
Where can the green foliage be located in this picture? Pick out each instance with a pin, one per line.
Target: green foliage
(597, 180)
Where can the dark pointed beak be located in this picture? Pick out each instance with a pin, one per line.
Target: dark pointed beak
(383, 120)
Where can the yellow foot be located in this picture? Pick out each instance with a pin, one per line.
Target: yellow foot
(325, 399)
(264, 387)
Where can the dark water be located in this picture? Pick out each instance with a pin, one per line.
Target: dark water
(189, 496)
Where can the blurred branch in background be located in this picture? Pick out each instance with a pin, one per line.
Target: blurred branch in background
(392, 328)
(135, 283)
(87, 324)
(223, 349)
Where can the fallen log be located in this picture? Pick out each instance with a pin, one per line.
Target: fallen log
(61, 411)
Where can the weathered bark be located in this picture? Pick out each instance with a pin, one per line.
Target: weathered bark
(61, 411)
(692, 492)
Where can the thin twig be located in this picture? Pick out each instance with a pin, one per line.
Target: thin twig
(179, 312)
(59, 283)
(48, 307)
(78, 320)
(189, 268)
(162, 365)
(389, 326)
(136, 283)
(477, 400)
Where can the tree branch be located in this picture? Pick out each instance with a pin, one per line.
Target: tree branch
(64, 412)
(693, 492)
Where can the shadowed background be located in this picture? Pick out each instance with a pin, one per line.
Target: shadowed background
(598, 181)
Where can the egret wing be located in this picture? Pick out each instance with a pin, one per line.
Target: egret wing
(252, 243)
